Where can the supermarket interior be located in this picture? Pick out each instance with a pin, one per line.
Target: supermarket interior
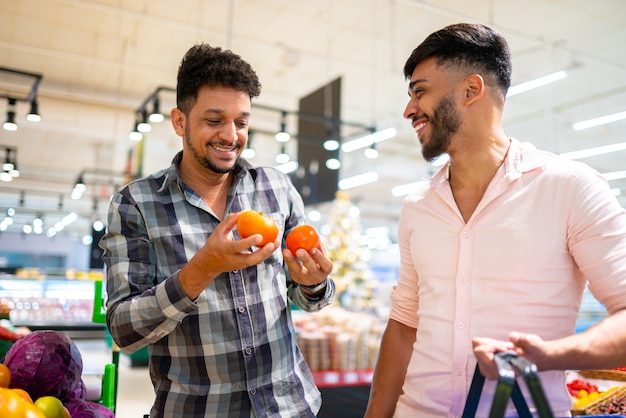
(87, 86)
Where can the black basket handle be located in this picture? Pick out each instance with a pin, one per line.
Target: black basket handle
(508, 362)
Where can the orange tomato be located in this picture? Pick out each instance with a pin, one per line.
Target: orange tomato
(251, 222)
(302, 236)
(5, 376)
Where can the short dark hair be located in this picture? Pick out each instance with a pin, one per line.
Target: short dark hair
(469, 47)
(205, 65)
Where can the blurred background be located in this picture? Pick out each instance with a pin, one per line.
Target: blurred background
(93, 69)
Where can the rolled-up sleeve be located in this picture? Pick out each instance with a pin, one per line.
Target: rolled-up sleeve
(405, 297)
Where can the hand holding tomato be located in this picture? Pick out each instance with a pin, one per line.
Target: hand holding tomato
(313, 265)
(221, 253)
(303, 236)
(251, 222)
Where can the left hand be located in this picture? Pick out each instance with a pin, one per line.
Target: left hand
(530, 346)
(308, 268)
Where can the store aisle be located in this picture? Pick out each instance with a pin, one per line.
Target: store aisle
(134, 392)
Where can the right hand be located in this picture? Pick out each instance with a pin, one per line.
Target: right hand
(221, 253)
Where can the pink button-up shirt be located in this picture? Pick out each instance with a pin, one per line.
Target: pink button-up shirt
(544, 227)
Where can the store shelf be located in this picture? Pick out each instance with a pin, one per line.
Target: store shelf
(55, 303)
(342, 378)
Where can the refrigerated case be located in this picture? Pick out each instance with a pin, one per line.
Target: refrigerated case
(57, 303)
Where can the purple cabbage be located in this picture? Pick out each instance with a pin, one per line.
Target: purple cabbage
(45, 363)
(80, 408)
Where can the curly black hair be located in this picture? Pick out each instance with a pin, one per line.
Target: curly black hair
(205, 65)
(468, 47)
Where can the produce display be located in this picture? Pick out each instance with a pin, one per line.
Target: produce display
(615, 406)
(41, 377)
(582, 392)
(589, 399)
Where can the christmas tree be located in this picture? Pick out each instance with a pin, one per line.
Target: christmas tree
(355, 287)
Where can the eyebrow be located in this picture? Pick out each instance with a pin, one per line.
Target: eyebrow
(414, 82)
(220, 111)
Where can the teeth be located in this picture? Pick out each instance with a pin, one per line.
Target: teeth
(223, 149)
(419, 126)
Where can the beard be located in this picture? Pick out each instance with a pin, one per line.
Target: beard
(444, 122)
(203, 160)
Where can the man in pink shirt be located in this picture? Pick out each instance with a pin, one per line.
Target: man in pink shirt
(496, 248)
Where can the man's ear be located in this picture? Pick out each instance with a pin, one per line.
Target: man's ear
(474, 88)
(178, 121)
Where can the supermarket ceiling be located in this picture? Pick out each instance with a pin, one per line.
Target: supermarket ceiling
(100, 59)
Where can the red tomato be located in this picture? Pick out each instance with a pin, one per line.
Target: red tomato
(302, 236)
(251, 222)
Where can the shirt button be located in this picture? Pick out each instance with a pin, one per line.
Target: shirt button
(458, 372)
(253, 391)
(248, 350)
(461, 326)
(462, 280)
(465, 234)
(242, 309)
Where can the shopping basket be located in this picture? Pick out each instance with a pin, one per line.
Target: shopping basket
(509, 365)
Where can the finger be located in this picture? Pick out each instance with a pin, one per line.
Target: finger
(293, 264)
(322, 260)
(515, 337)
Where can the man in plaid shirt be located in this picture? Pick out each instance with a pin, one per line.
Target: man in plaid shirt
(213, 309)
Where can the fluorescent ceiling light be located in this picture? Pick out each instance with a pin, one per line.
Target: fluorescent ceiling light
(602, 120)
(367, 140)
(288, 167)
(615, 175)
(537, 82)
(404, 189)
(358, 180)
(592, 152)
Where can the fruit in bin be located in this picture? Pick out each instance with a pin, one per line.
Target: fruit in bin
(23, 394)
(302, 236)
(5, 376)
(576, 385)
(51, 407)
(13, 405)
(7, 334)
(251, 222)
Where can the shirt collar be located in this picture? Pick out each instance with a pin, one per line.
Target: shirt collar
(522, 157)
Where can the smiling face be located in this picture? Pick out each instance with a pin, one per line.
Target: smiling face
(432, 109)
(216, 130)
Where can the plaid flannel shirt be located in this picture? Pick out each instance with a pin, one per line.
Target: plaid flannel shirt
(231, 352)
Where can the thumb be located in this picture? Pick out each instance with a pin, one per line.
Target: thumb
(515, 337)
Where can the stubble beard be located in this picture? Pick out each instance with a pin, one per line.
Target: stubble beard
(444, 122)
(203, 160)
